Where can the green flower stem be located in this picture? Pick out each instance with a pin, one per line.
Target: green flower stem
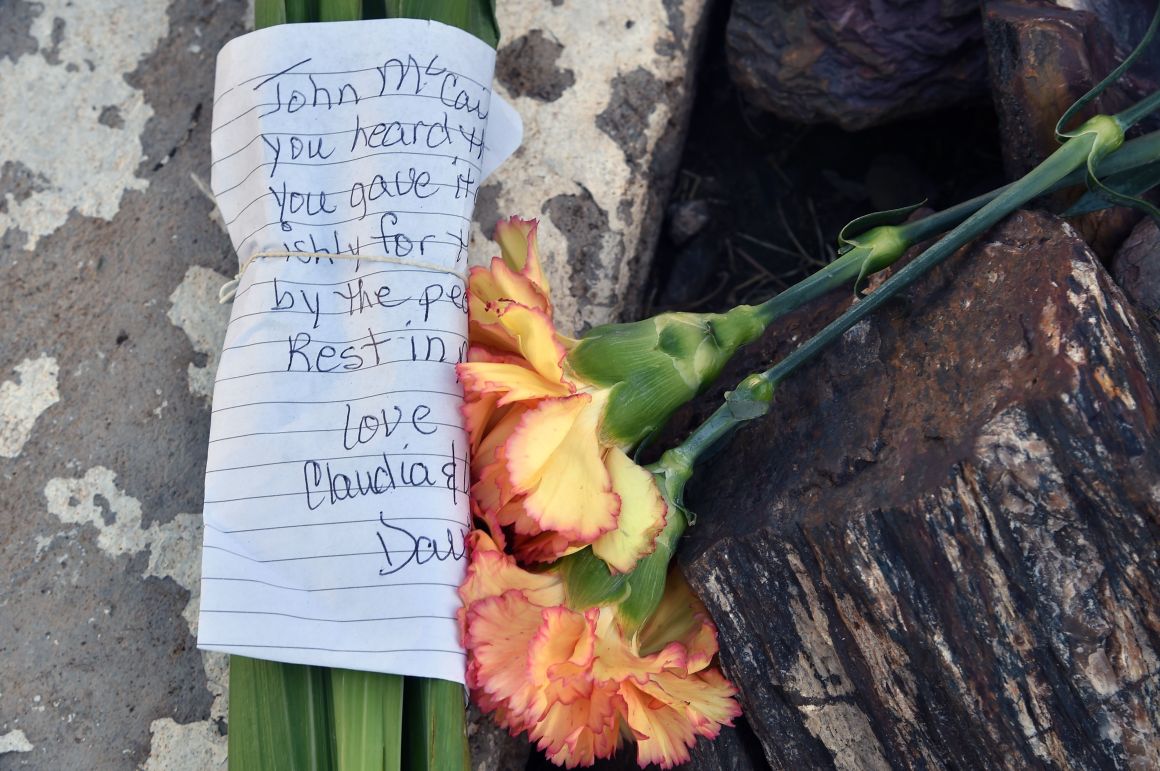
(474, 16)
(1039, 180)
(753, 396)
(841, 272)
(367, 719)
(279, 717)
(435, 715)
(1136, 113)
(338, 10)
(1138, 152)
(893, 240)
(267, 13)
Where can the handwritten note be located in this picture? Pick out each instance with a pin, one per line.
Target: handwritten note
(346, 159)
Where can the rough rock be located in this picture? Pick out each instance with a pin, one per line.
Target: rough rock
(940, 548)
(1136, 268)
(493, 747)
(857, 64)
(734, 749)
(1043, 56)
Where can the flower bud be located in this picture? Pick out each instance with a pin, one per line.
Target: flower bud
(654, 366)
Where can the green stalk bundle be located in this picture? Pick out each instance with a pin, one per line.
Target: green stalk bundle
(293, 717)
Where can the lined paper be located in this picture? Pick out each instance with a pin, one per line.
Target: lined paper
(347, 157)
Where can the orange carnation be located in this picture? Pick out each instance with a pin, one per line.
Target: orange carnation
(544, 470)
(575, 680)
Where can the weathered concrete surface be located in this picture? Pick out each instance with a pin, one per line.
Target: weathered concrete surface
(603, 89)
(109, 267)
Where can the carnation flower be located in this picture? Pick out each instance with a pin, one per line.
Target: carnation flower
(551, 418)
(577, 681)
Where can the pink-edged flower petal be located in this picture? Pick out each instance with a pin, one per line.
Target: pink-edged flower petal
(642, 514)
(555, 459)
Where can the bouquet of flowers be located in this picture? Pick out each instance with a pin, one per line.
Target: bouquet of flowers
(575, 628)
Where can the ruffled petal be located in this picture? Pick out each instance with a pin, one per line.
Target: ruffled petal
(554, 457)
(545, 547)
(576, 734)
(490, 573)
(498, 631)
(663, 734)
(520, 248)
(500, 282)
(560, 658)
(478, 410)
(508, 382)
(642, 514)
(536, 340)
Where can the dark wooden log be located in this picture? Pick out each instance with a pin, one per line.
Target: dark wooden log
(939, 549)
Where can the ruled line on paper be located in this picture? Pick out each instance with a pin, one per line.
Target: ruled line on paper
(338, 372)
(329, 428)
(274, 164)
(431, 64)
(301, 557)
(374, 274)
(272, 646)
(328, 620)
(329, 524)
(292, 494)
(377, 587)
(299, 461)
(310, 431)
(457, 395)
(400, 330)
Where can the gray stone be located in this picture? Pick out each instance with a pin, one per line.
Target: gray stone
(1136, 268)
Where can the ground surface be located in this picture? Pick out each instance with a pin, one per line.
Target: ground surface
(110, 266)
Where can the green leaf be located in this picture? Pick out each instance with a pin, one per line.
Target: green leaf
(339, 10)
(867, 222)
(368, 720)
(474, 16)
(588, 582)
(1128, 184)
(298, 11)
(646, 582)
(279, 717)
(267, 13)
(436, 725)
